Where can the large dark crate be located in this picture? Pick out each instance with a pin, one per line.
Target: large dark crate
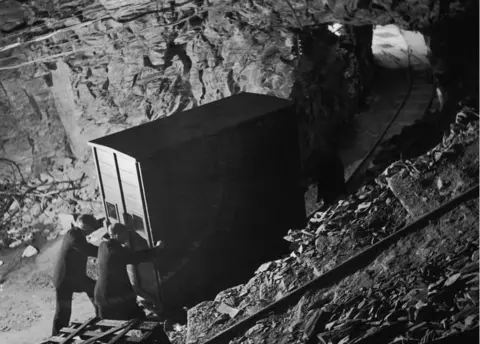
(219, 184)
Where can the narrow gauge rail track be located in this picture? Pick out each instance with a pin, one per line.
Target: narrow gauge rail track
(356, 173)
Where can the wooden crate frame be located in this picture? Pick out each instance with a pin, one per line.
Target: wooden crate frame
(97, 331)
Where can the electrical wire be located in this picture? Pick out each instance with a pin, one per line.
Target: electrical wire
(47, 36)
(127, 8)
(46, 26)
(101, 46)
(71, 43)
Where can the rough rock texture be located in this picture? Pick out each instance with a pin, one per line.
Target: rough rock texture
(104, 66)
(31, 132)
(36, 207)
(72, 71)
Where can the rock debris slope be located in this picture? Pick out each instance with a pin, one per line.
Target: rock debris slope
(425, 287)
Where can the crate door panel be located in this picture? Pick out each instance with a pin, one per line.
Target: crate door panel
(132, 196)
(128, 178)
(113, 198)
(111, 189)
(142, 276)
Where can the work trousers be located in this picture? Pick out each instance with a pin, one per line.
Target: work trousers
(64, 296)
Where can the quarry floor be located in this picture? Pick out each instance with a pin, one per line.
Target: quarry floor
(27, 300)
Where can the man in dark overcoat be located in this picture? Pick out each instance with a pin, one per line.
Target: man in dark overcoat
(70, 275)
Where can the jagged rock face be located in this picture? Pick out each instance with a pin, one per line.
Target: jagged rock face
(123, 63)
(30, 121)
(13, 14)
(130, 73)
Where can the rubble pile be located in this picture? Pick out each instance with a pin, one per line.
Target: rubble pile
(331, 237)
(29, 209)
(417, 304)
(462, 132)
(444, 172)
(413, 293)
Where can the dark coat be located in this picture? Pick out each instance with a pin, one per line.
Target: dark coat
(71, 268)
(326, 169)
(113, 284)
(330, 179)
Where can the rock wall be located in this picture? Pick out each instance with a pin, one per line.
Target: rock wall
(110, 65)
(115, 74)
(77, 70)
(31, 132)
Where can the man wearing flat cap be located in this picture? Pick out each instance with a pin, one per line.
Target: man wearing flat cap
(70, 275)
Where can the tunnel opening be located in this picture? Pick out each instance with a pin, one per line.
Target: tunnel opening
(393, 47)
(423, 52)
